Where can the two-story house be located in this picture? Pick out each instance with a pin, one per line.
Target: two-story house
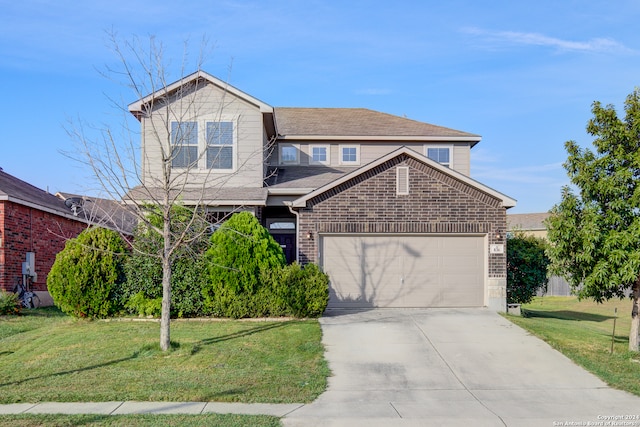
(384, 204)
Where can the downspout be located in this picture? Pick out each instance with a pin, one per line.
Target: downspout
(289, 205)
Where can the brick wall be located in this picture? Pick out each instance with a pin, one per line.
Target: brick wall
(24, 229)
(436, 203)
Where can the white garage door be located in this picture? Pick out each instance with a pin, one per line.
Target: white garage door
(404, 270)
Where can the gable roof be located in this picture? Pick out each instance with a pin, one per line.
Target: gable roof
(359, 123)
(136, 108)
(18, 191)
(507, 201)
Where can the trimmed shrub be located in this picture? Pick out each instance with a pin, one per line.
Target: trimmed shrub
(85, 278)
(526, 267)
(9, 303)
(241, 255)
(304, 290)
(143, 287)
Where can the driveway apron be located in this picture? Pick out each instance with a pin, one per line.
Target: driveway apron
(452, 367)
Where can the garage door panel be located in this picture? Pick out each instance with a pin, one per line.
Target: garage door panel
(404, 271)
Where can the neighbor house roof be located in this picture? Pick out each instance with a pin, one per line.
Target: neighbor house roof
(18, 191)
(103, 212)
(359, 123)
(507, 201)
(527, 221)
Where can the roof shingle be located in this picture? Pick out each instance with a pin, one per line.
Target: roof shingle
(355, 122)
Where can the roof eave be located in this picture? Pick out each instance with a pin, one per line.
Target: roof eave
(136, 108)
(473, 139)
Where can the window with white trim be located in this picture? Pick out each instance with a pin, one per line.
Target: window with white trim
(220, 145)
(289, 154)
(184, 144)
(441, 155)
(349, 154)
(319, 155)
(402, 180)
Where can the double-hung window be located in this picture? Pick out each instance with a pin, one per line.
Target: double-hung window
(441, 155)
(219, 145)
(184, 144)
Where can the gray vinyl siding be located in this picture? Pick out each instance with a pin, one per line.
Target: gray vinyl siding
(371, 151)
(202, 106)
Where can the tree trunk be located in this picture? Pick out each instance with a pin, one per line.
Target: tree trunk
(165, 315)
(634, 337)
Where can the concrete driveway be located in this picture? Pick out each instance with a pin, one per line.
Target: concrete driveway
(452, 367)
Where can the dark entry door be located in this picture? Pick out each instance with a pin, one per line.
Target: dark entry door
(288, 244)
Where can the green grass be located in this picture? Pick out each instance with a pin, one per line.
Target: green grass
(139, 420)
(582, 330)
(46, 356)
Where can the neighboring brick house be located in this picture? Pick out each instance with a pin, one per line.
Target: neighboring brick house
(35, 221)
(384, 204)
(31, 220)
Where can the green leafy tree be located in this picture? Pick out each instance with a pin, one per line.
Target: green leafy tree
(595, 230)
(526, 267)
(241, 252)
(85, 278)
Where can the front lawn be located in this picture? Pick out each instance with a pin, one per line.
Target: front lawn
(146, 420)
(46, 356)
(582, 331)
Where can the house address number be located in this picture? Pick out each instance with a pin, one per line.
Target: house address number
(496, 249)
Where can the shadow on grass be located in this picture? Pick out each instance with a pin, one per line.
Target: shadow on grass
(150, 349)
(566, 315)
(240, 334)
(70, 371)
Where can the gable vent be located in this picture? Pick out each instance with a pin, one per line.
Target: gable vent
(402, 180)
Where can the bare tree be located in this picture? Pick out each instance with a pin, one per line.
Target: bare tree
(168, 168)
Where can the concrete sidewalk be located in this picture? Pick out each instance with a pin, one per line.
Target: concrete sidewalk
(123, 408)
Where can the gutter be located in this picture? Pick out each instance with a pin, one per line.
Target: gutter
(295, 213)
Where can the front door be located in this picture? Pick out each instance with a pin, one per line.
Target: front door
(288, 244)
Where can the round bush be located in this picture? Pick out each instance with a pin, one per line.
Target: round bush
(85, 278)
(241, 252)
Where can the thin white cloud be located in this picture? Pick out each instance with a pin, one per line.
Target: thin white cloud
(595, 45)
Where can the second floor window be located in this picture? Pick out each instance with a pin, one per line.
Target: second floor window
(184, 144)
(440, 155)
(319, 155)
(220, 145)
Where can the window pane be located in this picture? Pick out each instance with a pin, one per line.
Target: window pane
(220, 133)
(319, 154)
(220, 157)
(184, 157)
(349, 154)
(440, 155)
(289, 154)
(184, 133)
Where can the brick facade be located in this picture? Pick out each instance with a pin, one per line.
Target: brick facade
(25, 229)
(436, 203)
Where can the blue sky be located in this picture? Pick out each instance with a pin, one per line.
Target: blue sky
(523, 74)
